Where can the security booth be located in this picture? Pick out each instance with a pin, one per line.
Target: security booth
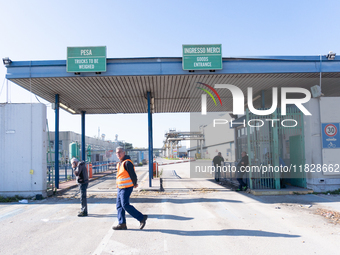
(273, 142)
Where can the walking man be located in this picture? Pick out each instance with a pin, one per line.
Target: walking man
(126, 181)
(82, 180)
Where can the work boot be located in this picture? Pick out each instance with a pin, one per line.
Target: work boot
(143, 222)
(120, 227)
(82, 214)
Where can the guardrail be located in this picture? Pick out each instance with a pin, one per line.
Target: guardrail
(98, 167)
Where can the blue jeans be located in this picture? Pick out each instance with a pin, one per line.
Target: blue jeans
(83, 200)
(123, 204)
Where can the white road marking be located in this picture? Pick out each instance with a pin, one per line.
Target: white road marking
(12, 213)
(165, 245)
(105, 240)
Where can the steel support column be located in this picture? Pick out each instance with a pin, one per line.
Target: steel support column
(275, 154)
(250, 153)
(56, 142)
(83, 154)
(150, 139)
(201, 148)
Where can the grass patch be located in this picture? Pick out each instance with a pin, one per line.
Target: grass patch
(333, 192)
(10, 199)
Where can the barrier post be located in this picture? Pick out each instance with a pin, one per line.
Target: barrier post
(90, 174)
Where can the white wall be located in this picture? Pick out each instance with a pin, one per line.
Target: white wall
(227, 150)
(221, 133)
(214, 136)
(314, 154)
(23, 149)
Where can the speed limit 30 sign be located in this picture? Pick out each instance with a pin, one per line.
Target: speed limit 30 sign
(330, 136)
(331, 130)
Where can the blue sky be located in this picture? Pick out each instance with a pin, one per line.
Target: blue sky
(42, 30)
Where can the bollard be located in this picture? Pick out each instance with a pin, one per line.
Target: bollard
(90, 174)
(155, 169)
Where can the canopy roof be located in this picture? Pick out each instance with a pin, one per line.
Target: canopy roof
(123, 87)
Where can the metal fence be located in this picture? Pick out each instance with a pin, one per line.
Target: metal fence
(269, 146)
(66, 171)
(227, 172)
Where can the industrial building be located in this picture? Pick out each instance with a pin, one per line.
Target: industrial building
(217, 136)
(96, 149)
(301, 143)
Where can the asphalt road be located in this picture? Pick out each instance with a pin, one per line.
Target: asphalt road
(192, 216)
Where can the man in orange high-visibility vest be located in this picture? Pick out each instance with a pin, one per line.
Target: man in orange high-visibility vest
(126, 181)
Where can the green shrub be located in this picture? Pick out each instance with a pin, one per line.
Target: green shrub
(16, 198)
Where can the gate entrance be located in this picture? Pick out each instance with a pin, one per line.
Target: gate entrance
(274, 144)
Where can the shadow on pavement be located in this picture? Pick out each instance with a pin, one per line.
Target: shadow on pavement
(292, 199)
(168, 217)
(133, 200)
(150, 216)
(94, 215)
(223, 232)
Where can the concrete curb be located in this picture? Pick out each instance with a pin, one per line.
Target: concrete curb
(157, 185)
(280, 192)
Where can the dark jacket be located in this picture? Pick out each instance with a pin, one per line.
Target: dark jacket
(244, 160)
(128, 166)
(81, 173)
(218, 160)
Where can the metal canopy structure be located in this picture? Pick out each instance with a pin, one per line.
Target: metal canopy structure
(160, 85)
(123, 88)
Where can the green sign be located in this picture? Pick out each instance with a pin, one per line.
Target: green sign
(86, 59)
(202, 57)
